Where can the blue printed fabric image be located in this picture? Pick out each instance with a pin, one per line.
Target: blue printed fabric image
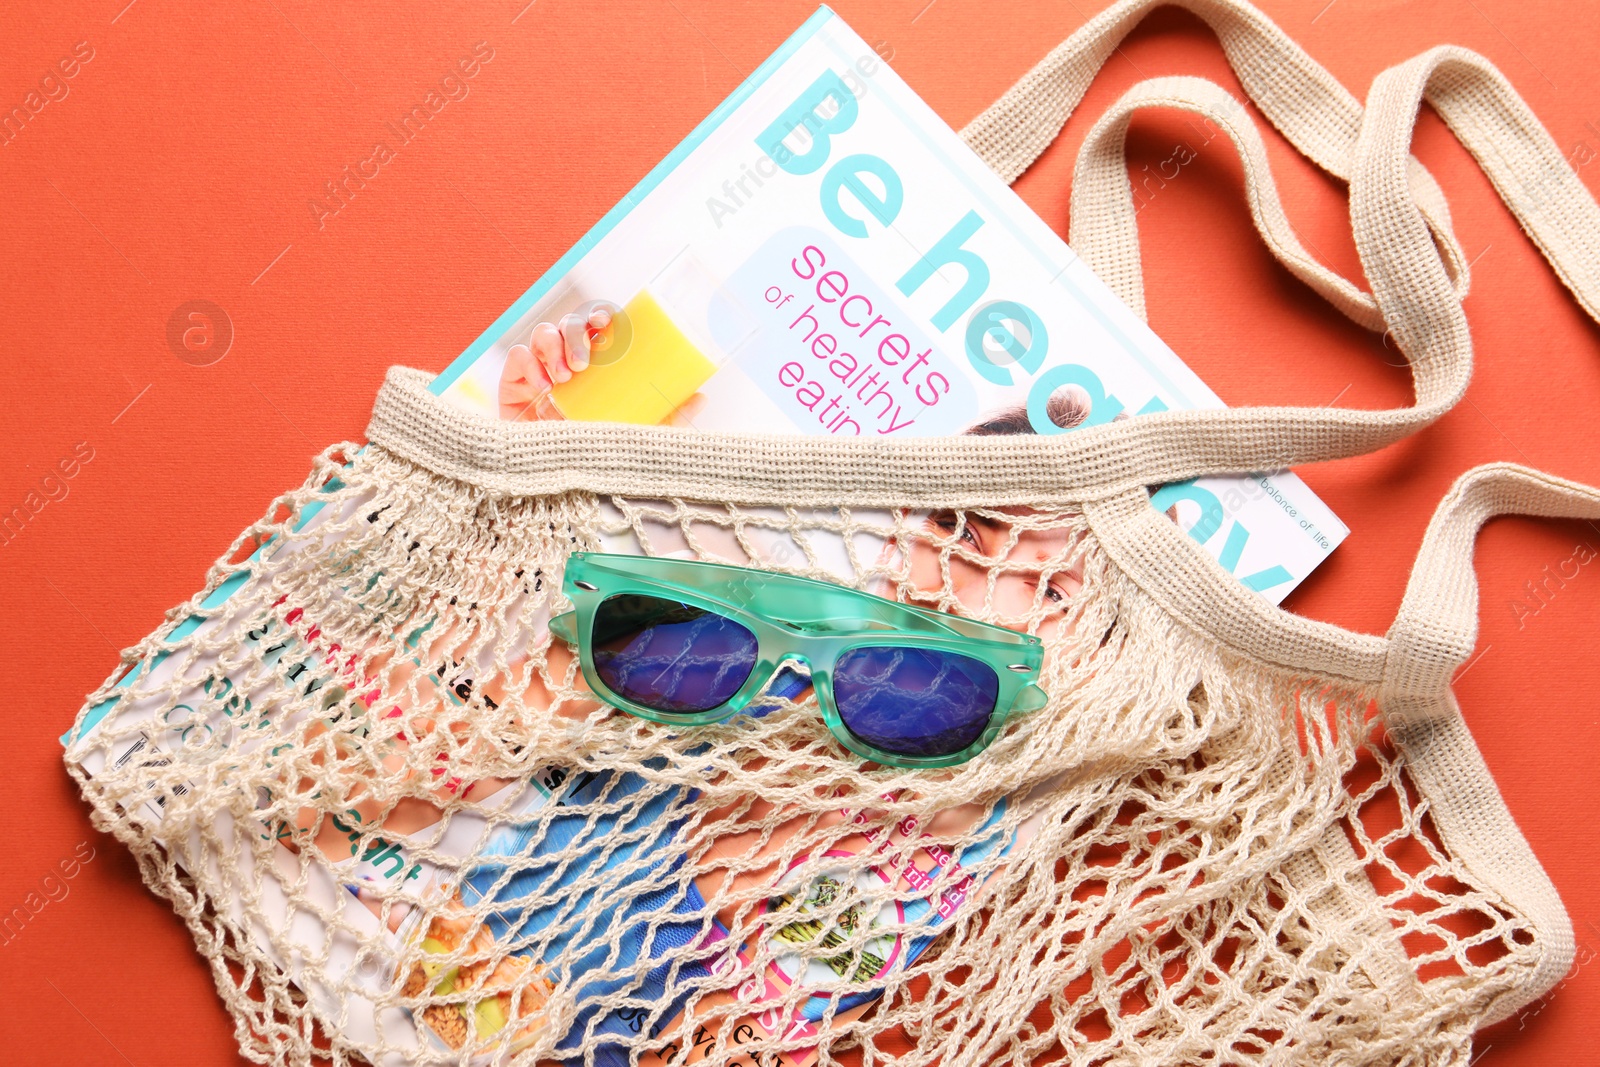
(535, 910)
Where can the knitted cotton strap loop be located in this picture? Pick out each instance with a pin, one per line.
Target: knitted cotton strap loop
(1297, 95)
(1400, 224)
(1521, 159)
(1411, 281)
(1437, 625)
(1432, 636)
(1104, 228)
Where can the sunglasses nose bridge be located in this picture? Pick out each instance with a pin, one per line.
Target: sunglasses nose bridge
(784, 663)
(791, 655)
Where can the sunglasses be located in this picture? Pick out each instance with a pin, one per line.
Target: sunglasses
(687, 643)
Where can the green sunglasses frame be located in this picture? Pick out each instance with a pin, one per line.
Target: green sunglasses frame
(803, 620)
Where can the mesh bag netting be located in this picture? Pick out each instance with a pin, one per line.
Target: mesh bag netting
(403, 830)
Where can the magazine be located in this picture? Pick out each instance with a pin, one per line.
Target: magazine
(823, 255)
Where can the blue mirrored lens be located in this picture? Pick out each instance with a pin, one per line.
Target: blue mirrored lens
(914, 701)
(669, 656)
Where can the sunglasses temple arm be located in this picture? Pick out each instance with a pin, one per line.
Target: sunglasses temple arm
(566, 627)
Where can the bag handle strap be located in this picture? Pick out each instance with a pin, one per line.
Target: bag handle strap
(1437, 625)
(1104, 230)
(1520, 158)
(1317, 114)
(1431, 638)
(1401, 227)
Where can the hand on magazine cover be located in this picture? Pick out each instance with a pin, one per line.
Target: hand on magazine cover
(555, 352)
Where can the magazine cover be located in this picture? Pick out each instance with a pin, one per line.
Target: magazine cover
(823, 256)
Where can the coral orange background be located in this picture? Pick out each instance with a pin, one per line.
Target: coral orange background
(179, 167)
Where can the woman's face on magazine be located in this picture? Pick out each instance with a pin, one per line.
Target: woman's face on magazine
(1036, 579)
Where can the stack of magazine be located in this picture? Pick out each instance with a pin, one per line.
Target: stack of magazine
(822, 255)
